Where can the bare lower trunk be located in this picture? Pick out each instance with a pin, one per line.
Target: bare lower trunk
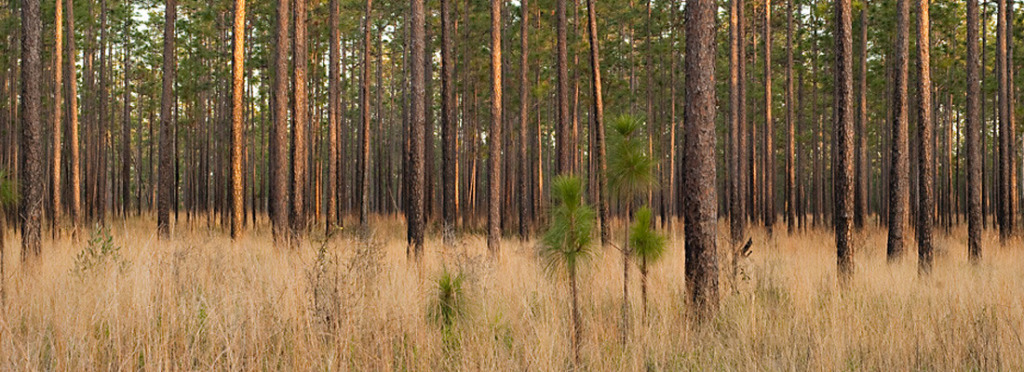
(166, 177)
(975, 178)
(898, 180)
(925, 133)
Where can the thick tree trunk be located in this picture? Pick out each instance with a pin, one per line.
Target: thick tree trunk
(279, 134)
(975, 131)
(791, 199)
(237, 89)
(449, 122)
(1005, 227)
(300, 118)
(898, 180)
(925, 132)
(32, 153)
(701, 209)
(843, 138)
(166, 178)
(494, 136)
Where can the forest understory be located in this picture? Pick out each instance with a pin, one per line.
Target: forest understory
(123, 299)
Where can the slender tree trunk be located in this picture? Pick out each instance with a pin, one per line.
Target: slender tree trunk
(524, 115)
(58, 81)
(126, 147)
(975, 131)
(364, 107)
(75, 176)
(237, 89)
(1005, 230)
(166, 101)
(861, 193)
(769, 125)
(562, 133)
(101, 128)
(598, 122)
(334, 174)
(737, 218)
(791, 198)
(577, 326)
(32, 153)
(449, 122)
(925, 132)
(418, 124)
(898, 180)
(494, 136)
(701, 209)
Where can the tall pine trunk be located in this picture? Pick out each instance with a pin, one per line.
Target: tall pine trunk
(926, 130)
(237, 87)
(598, 122)
(898, 179)
(32, 153)
(975, 131)
(494, 136)
(166, 178)
(415, 215)
(364, 107)
(700, 202)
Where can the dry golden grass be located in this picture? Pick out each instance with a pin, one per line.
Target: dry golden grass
(201, 302)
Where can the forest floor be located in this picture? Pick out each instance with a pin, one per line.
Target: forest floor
(201, 302)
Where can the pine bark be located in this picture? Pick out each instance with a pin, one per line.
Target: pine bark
(926, 130)
(898, 179)
(494, 137)
(300, 119)
(364, 107)
(700, 202)
(791, 198)
(598, 122)
(166, 178)
(860, 209)
(237, 90)
(279, 134)
(58, 82)
(737, 218)
(32, 153)
(524, 115)
(562, 133)
(843, 137)
(975, 132)
(333, 217)
(126, 148)
(417, 128)
(769, 125)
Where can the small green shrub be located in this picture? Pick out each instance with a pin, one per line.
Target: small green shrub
(99, 253)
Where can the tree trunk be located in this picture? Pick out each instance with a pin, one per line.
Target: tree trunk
(279, 134)
(417, 128)
(562, 132)
(524, 115)
(300, 118)
(75, 176)
(101, 128)
(334, 217)
(32, 171)
(975, 131)
(166, 183)
(58, 79)
(598, 122)
(364, 107)
(791, 199)
(126, 147)
(494, 136)
(860, 206)
(925, 132)
(898, 180)
(737, 218)
(769, 125)
(237, 89)
(699, 179)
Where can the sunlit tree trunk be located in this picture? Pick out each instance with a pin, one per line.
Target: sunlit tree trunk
(494, 136)
(237, 87)
(925, 132)
(32, 153)
(417, 128)
(975, 131)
